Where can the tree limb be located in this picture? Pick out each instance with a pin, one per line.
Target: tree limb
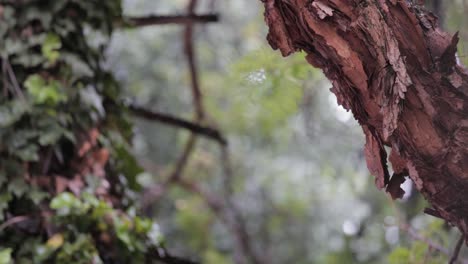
(191, 61)
(170, 120)
(175, 19)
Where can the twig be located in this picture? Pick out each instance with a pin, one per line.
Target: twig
(162, 255)
(190, 54)
(177, 19)
(48, 159)
(13, 79)
(213, 202)
(415, 235)
(13, 221)
(232, 217)
(432, 244)
(4, 78)
(238, 221)
(456, 252)
(183, 160)
(155, 191)
(205, 131)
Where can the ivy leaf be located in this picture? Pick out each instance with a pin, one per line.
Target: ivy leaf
(17, 186)
(55, 241)
(123, 228)
(5, 198)
(34, 82)
(5, 256)
(51, 135)
(65, 202)
(11, 113)
(37, 195)
(44, 92)
(50, 46)
(28, 153)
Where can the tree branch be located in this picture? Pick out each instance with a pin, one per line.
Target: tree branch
(13, 221)
(167, 119)
(238, 221)
(191, 61)
(432, 244)
(175, 19)
(456, 252)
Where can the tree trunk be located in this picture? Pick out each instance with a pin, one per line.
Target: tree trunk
(393, 67)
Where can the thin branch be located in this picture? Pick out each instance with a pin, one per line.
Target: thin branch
(415, 235)
(162, 255)
(176, 19)
(191, 61)
(152, 193)
(4, 79)
(183, 160)
(456, 252)
(13, 79)
(432, 244)
(224, 209)
(167, 119)
(196, 98)
(213, 202)
(238, 221)
(13, 221)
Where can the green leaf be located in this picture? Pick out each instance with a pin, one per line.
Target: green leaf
(28, 153)
(66, 203)
(17, 186)
(5, 198)
(50, 46)
(142, 225)
(34, 82)
(5, 256)
(122, 230)
(399, 255)
(128, 165)
(12, 112)
(44, 92)
(37, 195)
(51, 135)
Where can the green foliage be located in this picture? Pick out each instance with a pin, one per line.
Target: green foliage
(418, 253)
(63, 128)
(43, 92)
(399, 255)
(134, 234)
(264, 91)
(50, 46)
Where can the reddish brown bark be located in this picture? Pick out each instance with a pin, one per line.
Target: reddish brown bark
(392, 66)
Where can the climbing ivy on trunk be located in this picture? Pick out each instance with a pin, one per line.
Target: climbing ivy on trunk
(67, 179)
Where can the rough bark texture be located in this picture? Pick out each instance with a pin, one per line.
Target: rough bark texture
(392, 66)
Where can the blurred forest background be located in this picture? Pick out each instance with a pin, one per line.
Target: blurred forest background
(299, 178)
(291, 186)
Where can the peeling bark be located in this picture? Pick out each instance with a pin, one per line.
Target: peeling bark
(393, 67)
